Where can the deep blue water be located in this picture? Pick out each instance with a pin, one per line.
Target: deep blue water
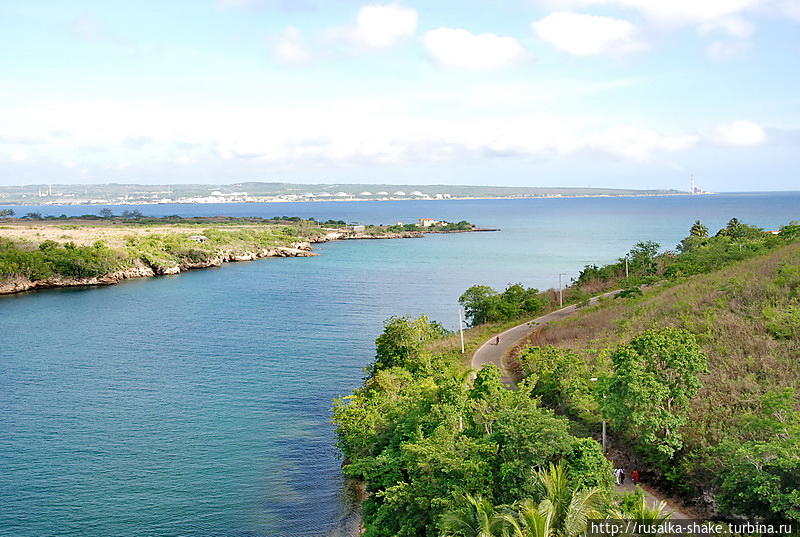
(198, 404)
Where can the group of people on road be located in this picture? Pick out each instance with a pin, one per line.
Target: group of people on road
(619, 476)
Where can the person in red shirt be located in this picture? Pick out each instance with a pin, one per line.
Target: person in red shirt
(635, 477)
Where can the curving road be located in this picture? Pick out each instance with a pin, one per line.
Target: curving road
(493, 352)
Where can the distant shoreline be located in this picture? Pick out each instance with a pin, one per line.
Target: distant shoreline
(141, 269)
(340, 200)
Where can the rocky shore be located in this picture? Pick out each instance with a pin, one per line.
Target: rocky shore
(142, 270)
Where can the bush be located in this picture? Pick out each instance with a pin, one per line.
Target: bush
(483, 304)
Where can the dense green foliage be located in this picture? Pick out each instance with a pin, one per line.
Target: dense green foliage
(422, 433)
(463, 225)
(647, 395)
(52, 259)
(557, 509)
(697, 253)
(164, 250)
(483, 304)
(762, 474)
(699, 373)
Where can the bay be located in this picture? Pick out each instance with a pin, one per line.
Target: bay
(199, 404)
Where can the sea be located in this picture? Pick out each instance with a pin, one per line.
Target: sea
(199, 404)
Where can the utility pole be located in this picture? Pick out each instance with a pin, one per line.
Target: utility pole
(626, 265)
(594, 379)
(461, 329)
(560, 290)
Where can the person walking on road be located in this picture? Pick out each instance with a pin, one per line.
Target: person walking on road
(497, 340)
(621, 476)
(635, 477)
(617, 472)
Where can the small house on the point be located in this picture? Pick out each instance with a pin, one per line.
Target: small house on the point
(427, 222)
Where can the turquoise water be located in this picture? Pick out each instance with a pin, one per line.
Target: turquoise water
(198, 404)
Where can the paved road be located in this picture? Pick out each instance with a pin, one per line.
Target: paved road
(493, 352)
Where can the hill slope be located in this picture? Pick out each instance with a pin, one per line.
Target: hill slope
(744, 418)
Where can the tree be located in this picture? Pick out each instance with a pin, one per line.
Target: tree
(403, 341)
(762, 476)
(698, 230)
(106, 213)
(33, 216)
(473, 516)
(483, 304)
(642, 257)
(528, 520)
(478, 302)
(559, 376)
(654, 378)
(568, 508)
(587, 466)
(6, 213)
(131, 214)
(738, 230)
(558, 510)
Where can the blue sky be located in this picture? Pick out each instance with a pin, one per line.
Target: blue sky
(622, 93)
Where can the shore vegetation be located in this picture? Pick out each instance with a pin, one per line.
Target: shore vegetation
(694, 366)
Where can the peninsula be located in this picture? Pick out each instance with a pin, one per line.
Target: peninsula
(41, 252)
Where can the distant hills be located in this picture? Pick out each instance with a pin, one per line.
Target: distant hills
(114, 193)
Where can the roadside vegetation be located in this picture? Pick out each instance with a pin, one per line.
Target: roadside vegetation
(725, 432)
(441, 450)
(695, 367)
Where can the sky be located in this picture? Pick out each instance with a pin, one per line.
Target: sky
(597, 93)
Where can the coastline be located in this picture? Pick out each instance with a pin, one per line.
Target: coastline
(141, 269)
(333, 199)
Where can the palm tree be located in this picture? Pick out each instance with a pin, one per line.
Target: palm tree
(474, 517)
(528, 521)
(649, 514)
(568, 509)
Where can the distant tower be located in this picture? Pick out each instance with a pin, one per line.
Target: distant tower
(694, 186)
(49, 190)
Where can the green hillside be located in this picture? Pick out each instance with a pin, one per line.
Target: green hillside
(735, 448)
(695, 367)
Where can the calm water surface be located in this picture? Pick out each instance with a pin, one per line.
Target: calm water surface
(198, 404)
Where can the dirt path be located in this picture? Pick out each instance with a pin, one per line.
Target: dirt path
(495, 352)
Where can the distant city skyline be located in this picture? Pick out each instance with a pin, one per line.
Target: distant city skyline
(552, 93)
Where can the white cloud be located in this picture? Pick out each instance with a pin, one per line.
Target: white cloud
(740, 132)
(380, 26)
(339, 132)
(226, 4)
(789, 8)
(18, 155)
(637, 143)
(454, 47)
(735, 26)
(676, 11)
(720, 50)
(291, 47)
(584, 35)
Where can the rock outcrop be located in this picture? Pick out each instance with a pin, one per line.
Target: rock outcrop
(142, 270)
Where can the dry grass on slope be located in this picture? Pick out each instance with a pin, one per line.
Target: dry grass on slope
(729, 311)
